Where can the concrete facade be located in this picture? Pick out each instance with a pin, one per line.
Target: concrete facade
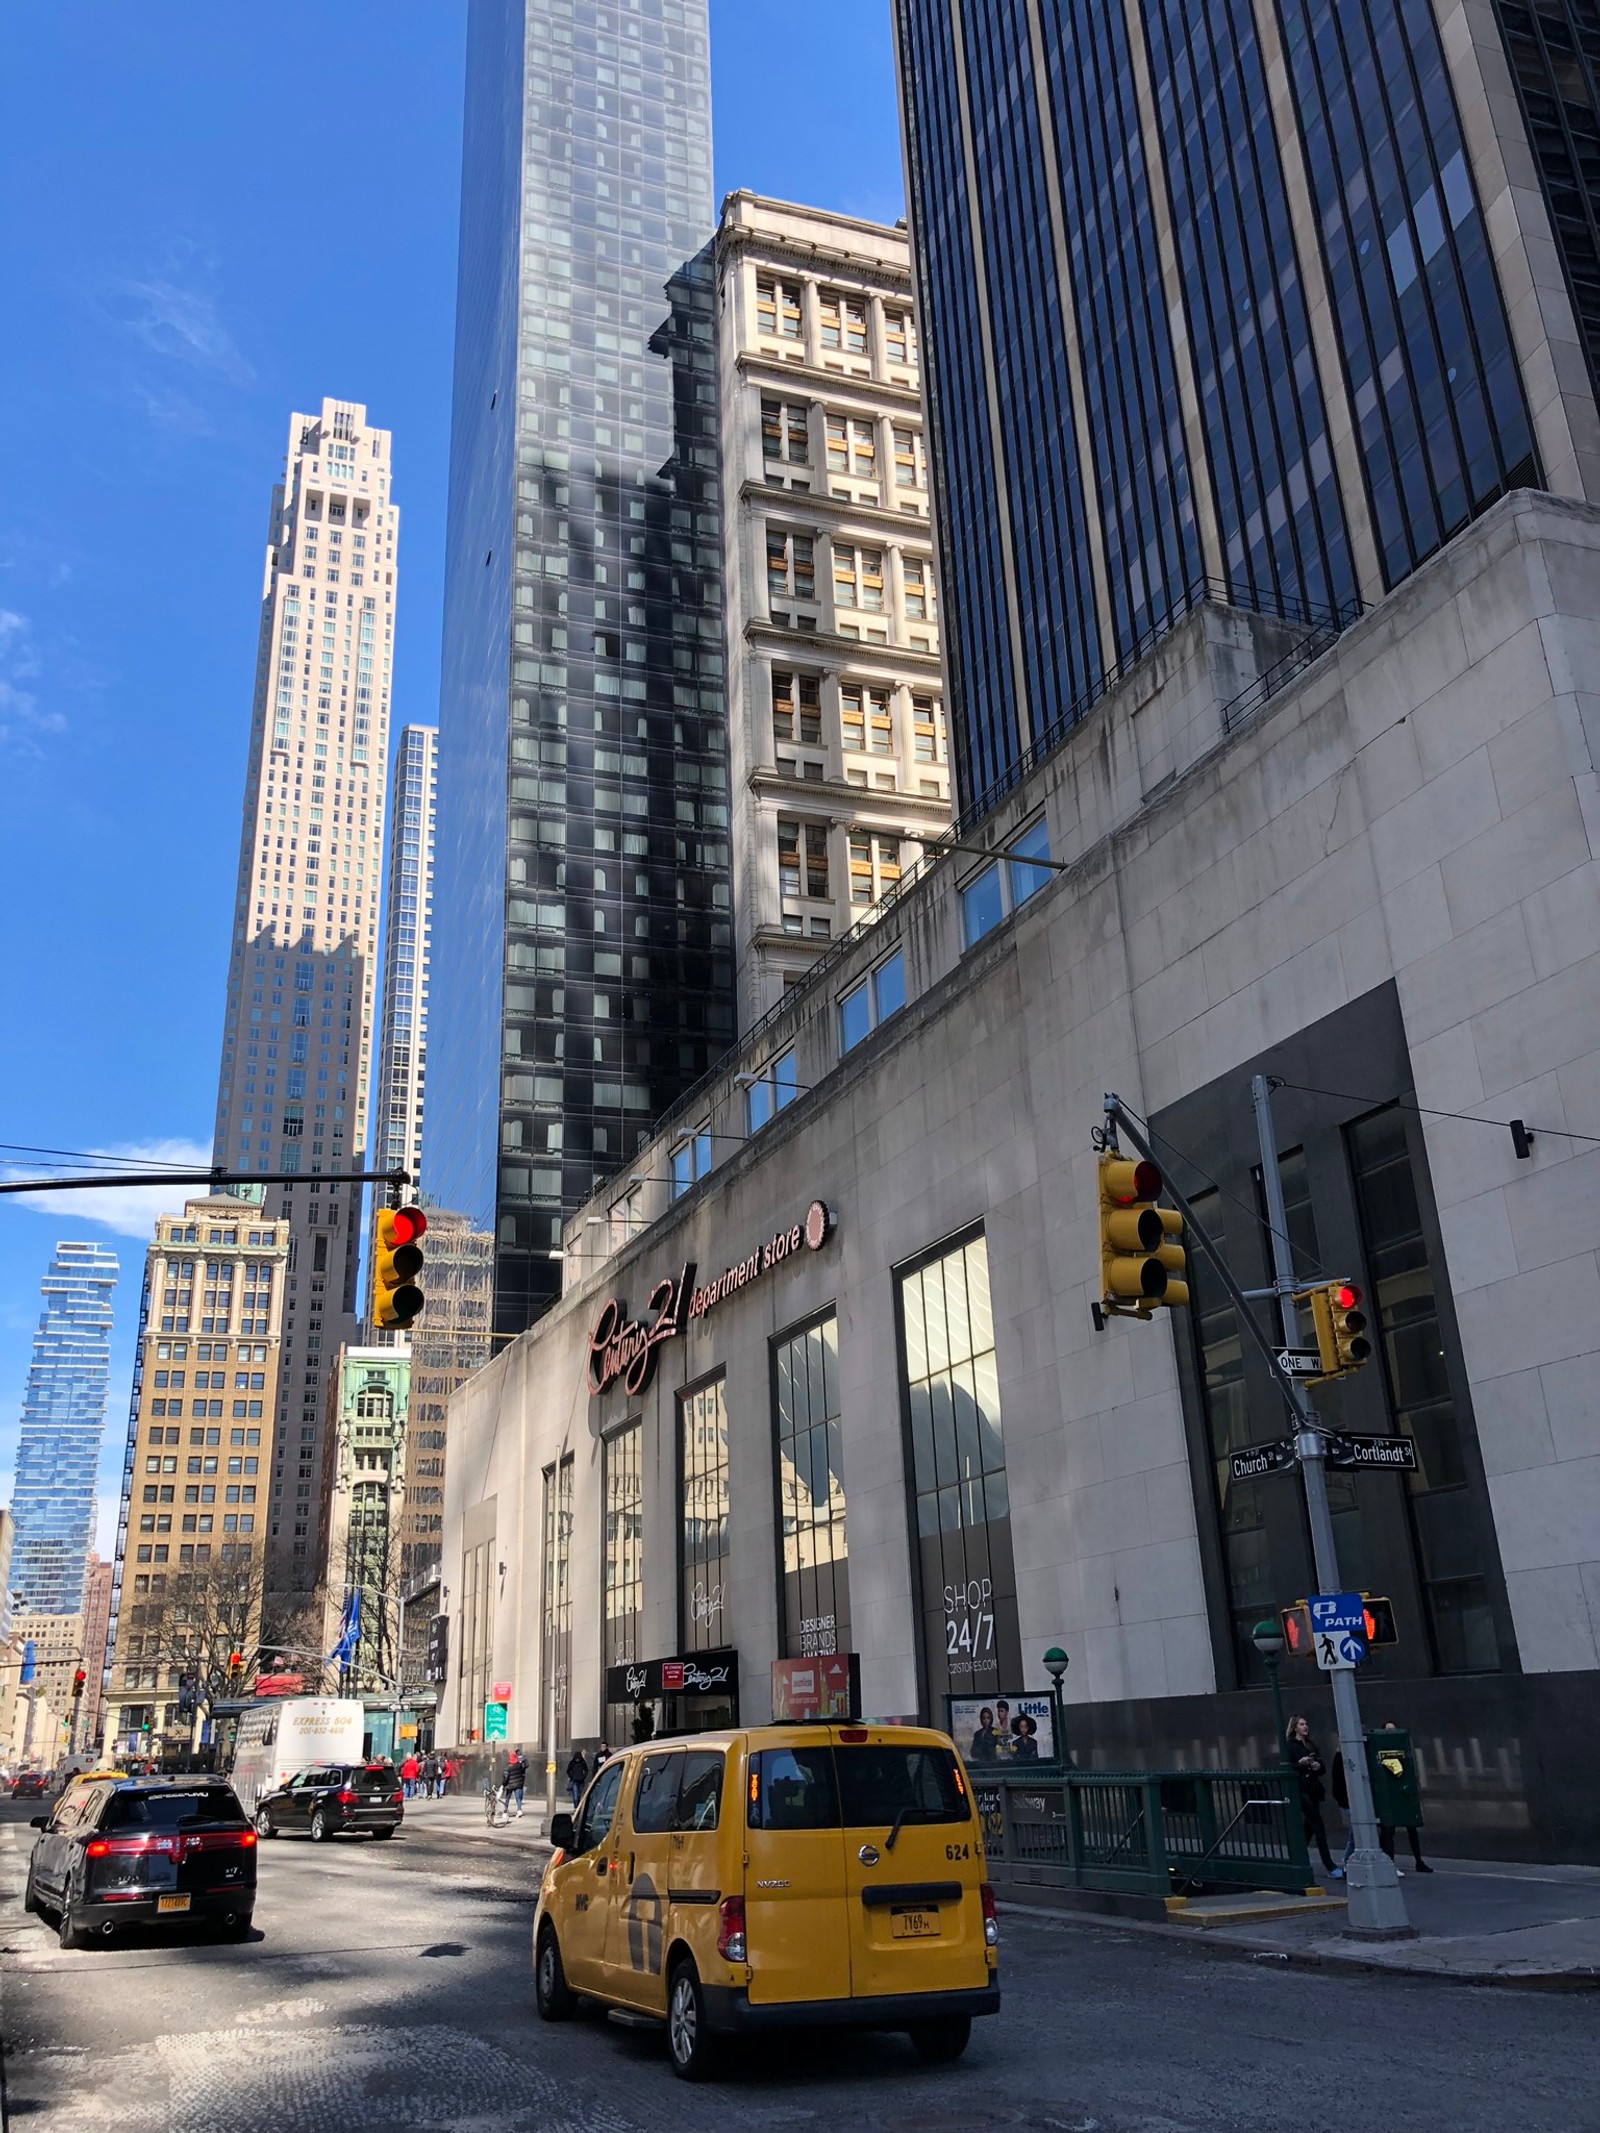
(1413, 818)
(836, 739)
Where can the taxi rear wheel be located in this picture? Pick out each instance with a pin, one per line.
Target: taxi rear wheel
(689, 2038)
(941, 2042)
(552, 1994)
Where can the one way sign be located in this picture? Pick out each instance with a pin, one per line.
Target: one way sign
(1338, 1630)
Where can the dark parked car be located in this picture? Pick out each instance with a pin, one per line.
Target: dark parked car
(31, 1785)
(144, 1851)
(332, 1798)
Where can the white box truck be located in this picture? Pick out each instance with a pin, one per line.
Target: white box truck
(284, 1734)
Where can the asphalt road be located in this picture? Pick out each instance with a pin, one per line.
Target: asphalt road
(390, 1990)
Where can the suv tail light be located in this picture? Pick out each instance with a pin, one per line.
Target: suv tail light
(345, 1796)
(396, 1799)
(730, 1929)
(991, 1925)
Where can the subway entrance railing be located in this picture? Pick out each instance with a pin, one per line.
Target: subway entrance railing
(1146, 1832)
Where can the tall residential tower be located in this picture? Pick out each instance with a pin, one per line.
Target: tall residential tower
(1237, 301)
(583, 974)
(293, 1091)
(63, 1415)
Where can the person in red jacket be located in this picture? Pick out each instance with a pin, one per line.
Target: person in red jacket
(408, 1776)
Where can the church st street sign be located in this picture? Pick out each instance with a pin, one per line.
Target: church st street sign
(623, 1350)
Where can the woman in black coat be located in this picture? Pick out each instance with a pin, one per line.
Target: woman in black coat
(1305, 1759)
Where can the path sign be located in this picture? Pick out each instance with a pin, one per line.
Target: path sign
(494, 1721)
(1300, 1362)
(1258, 1459)
(1338, 1630)
(1398, 1454)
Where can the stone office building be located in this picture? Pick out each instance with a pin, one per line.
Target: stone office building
(847, 1389)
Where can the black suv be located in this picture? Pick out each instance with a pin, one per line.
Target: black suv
(332, 1798)
(144, 1851)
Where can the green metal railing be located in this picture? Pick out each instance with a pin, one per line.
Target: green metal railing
(1148, 1832)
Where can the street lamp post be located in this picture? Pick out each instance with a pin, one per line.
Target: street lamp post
(1267, 1638)
(1056, 1664)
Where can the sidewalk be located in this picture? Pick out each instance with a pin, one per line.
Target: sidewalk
(461, 1815)
(1478, 1922)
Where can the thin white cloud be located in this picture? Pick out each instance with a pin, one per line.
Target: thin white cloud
(129, 1210)
(22, 718)
(176, 320)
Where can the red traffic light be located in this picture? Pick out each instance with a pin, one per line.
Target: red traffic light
(407, 1225)
(1347, 1296)
(1146, 1183)
(78, 1680)
(235, 1661)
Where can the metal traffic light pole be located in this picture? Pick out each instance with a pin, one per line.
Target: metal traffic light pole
(1377, 1907)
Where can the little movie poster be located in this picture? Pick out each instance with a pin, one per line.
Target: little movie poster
(1003, 1730)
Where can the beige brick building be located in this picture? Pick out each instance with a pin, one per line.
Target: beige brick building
(835, 704)
(193, 1524)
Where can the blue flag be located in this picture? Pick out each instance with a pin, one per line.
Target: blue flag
(349, 1630)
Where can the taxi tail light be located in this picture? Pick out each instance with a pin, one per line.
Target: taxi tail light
(991, 1925)
(730, 1929)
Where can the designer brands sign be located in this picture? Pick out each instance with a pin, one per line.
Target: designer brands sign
(623, 1349)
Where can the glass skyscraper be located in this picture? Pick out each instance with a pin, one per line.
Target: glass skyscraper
(582, 971)
(1245, 302)
(407, 928)
(63, 1416)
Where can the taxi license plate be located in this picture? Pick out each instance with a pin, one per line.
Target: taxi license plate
(914, 1925)
(172, 1903)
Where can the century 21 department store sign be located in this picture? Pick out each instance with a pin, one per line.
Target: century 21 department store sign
(623, 1350)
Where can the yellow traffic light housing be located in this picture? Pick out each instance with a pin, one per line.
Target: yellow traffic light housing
(1142, 1263)
(1341, 1328)
(397, 1297)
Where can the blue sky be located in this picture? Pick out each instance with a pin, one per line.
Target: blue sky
(215, 214)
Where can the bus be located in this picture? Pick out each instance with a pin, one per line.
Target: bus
(283, 1734)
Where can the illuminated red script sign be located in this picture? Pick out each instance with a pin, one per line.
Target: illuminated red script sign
(624, 1349)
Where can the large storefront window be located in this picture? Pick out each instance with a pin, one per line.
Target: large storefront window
(1452, 1542)
(703, 1440)
(558, 1595)
(477, 1636)
(816, 1574)
(970, 1640)
(623, 1544)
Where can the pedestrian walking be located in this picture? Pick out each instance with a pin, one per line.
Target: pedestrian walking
(408, 1776)
(441, 1768)
(427, 1775)
(452, 1774)
(577, 1775)
(602, 1754)
(1305, 1759)
(515, 1781)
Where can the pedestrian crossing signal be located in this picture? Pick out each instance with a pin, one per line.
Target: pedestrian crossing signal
(1379, 1620)
(1296, 1622)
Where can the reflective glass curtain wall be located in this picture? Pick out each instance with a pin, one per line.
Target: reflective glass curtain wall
(703, 1457)
(63, 1416)
(811, 1504)
(583, 908)
(1163, 261)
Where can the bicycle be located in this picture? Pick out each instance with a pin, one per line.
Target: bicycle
(494, 1804)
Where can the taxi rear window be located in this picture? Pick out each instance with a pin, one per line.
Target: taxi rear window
(855, 1787)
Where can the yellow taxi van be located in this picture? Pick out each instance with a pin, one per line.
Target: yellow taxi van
(782, 1876)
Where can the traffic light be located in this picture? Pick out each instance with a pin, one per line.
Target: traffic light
(396, 1265)
(1141, 1261)
(1380, 1620)
(1296, 1622)
(1341, 1328)
(78, 1681)
(235, 1669)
